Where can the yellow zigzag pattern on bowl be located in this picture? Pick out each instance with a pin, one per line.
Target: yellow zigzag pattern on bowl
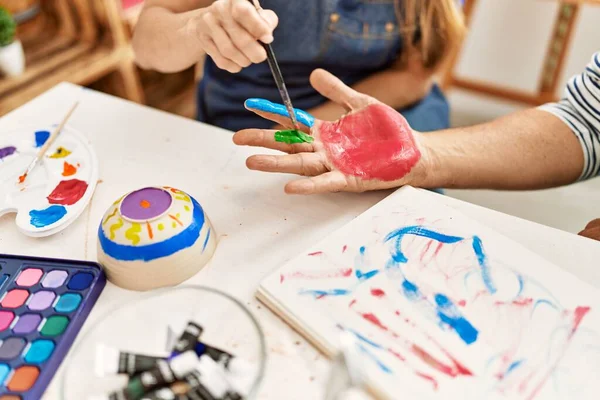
(132, 233)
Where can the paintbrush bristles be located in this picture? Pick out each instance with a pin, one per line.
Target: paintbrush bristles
(48, 143)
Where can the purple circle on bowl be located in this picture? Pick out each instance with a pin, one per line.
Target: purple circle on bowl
(145, 204)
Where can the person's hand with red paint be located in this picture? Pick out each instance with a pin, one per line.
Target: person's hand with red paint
(371, 147)
(592, 230)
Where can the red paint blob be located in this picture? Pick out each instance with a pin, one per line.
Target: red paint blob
(462, 303)
(353, 302)
(373, 143)
(23, 177)
(377, 293)
(344, 248)
(68, 192)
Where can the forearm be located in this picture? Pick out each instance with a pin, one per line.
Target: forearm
(164, 41)
(396, 88)
(531, 149)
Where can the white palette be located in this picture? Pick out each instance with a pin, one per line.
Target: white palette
(59, 188)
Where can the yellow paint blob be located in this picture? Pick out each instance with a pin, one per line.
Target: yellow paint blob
(61, 152)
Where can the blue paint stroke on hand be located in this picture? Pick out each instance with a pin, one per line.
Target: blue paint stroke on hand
(172, 245)
(450, 315)
(7, 151)
(41, 137)
(416, 230)
(266, 106)
(206, 240)
(49, 216)
(363, 276)
(321, 293)
(485, 268)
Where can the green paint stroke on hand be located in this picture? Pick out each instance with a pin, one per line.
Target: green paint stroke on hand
(292, 136)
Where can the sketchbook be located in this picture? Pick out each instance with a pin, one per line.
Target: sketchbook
(440, 306)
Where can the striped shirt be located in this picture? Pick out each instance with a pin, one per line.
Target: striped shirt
(580, 110)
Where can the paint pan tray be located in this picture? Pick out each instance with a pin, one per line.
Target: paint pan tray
(151, 324)
(58, 189)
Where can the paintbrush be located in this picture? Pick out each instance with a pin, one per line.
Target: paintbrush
(278, 76)
(48, 143)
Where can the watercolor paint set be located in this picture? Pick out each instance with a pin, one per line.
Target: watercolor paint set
(43, 304)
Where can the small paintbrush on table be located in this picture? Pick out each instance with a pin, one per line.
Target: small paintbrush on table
(278, 76)
(48, 143)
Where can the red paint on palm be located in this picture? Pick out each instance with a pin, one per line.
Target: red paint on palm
(373, 143)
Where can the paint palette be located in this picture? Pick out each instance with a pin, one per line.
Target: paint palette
(58, 189)
(43, 304)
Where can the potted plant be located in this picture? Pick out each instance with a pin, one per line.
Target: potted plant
(12, 58)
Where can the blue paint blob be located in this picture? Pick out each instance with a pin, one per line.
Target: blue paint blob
(485, 269)
(68, 302)
(183, 240)
(4, 371)
(49, 216)
(39, 351)
(41, 137)
(321, 293)
(206, 241)
(362, 250)
(363, 276)
(7, 151)
(80, 281)
(411, 291)
(450, 315)
(266, 106)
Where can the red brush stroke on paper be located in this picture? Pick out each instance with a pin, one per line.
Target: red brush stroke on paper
(377, 293)
(68, 192)
(373, 143)
(341, 273)
(316, 253)
(344, 248)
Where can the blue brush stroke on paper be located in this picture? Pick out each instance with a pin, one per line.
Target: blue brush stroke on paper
(416, 230)
(7, 151)
(411, 291)
(363, 276)
(450, 315)
(377, 361)
(266, 106)
(183, 240)
(41, 137)
(321, 293)
(513, 365)
(365, 340)
(48, 216)
(206, 240)
(485, 268)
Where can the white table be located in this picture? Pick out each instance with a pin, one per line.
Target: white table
(259, 226)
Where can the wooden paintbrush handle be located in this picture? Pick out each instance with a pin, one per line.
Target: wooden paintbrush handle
(54, 134)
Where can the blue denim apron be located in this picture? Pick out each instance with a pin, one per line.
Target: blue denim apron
(352, 39)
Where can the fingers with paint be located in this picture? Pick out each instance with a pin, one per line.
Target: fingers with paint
(278, 113)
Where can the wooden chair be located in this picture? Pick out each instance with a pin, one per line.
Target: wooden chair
(76, 41)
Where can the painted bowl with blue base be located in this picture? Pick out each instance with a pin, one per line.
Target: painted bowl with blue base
(154, 237)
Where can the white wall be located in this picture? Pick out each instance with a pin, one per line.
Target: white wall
(506, 46)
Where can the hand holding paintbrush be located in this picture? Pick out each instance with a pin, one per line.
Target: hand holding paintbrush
(48, 143)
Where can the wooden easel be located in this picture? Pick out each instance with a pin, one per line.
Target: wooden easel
(558, 48)
(77, 41)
